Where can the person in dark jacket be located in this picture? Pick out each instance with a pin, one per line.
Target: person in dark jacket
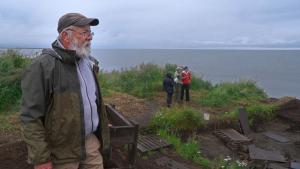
(63, 117)
(169, 88)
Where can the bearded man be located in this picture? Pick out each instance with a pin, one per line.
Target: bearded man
(64, 121)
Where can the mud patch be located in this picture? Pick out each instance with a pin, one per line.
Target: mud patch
(13, 153)
(128, 105)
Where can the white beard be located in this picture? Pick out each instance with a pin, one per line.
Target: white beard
(83, 51)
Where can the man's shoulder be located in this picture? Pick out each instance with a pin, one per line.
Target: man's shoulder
(42, 61)
(47, 55)
(50, 52)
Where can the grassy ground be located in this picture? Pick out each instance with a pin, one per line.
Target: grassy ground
(11, 66)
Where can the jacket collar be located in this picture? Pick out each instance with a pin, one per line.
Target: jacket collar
(66, 55)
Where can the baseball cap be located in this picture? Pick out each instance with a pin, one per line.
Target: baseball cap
(75, 19)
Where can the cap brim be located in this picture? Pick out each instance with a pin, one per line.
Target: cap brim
(87, 21)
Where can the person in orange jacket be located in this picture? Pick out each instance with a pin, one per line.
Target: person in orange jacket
(186, 81)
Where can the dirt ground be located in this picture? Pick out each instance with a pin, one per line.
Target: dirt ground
(13, 151)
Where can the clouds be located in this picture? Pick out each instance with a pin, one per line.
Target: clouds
(157, 24)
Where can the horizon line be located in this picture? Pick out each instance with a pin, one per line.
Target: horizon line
(209, 48)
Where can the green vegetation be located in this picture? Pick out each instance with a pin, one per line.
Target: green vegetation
(198, 84)
(143, 81)
(260, 113)
(171, 123)
(189, 150)
(232, 94)
(11, 66)
(9, 123)
(226, 118)
(178, 120)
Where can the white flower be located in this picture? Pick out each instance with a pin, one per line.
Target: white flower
(241, 163)
(228, 158)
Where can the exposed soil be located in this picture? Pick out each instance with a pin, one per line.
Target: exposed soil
(13, 151)
(150, 160)
(128, 105)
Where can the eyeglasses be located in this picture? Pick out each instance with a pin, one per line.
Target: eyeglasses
(85, 34)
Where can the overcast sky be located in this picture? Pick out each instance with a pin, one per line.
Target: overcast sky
(157, 23)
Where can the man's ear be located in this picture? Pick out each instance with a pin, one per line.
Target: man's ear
(65, 37)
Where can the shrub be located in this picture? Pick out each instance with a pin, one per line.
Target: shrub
(226, 119)
(11, 66)
(259, 113)
(226, 94)
(178, 120)
(12, 60)
(189, 150)
(141, 81)
(170, 68)
(9, 96)
(200, 84)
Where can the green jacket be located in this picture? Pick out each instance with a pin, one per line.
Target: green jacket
(52, 110)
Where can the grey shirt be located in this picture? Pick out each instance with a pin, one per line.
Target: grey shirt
(88, 91)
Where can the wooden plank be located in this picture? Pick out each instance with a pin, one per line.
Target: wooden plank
(295, 165)
(159, 140)
(145, 144)
(116, 118)
(149, 143)
(276, 137)
(261, 154)
(276, 166)
(244, 122)
(132, 148)
(235, 136)
(122, 134)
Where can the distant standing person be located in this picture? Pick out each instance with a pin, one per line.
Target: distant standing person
(186, 81)
(178, 83)
(169, 88)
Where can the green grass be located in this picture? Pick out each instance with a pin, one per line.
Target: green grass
(226, 118)
(189, 150)
(258, 113)
(12, 64)
(7, 126)
(178, 120)
(232, 94)
(199, 84)
(261, 113)
(143, 81)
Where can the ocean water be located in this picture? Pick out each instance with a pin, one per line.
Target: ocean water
(276, 71)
